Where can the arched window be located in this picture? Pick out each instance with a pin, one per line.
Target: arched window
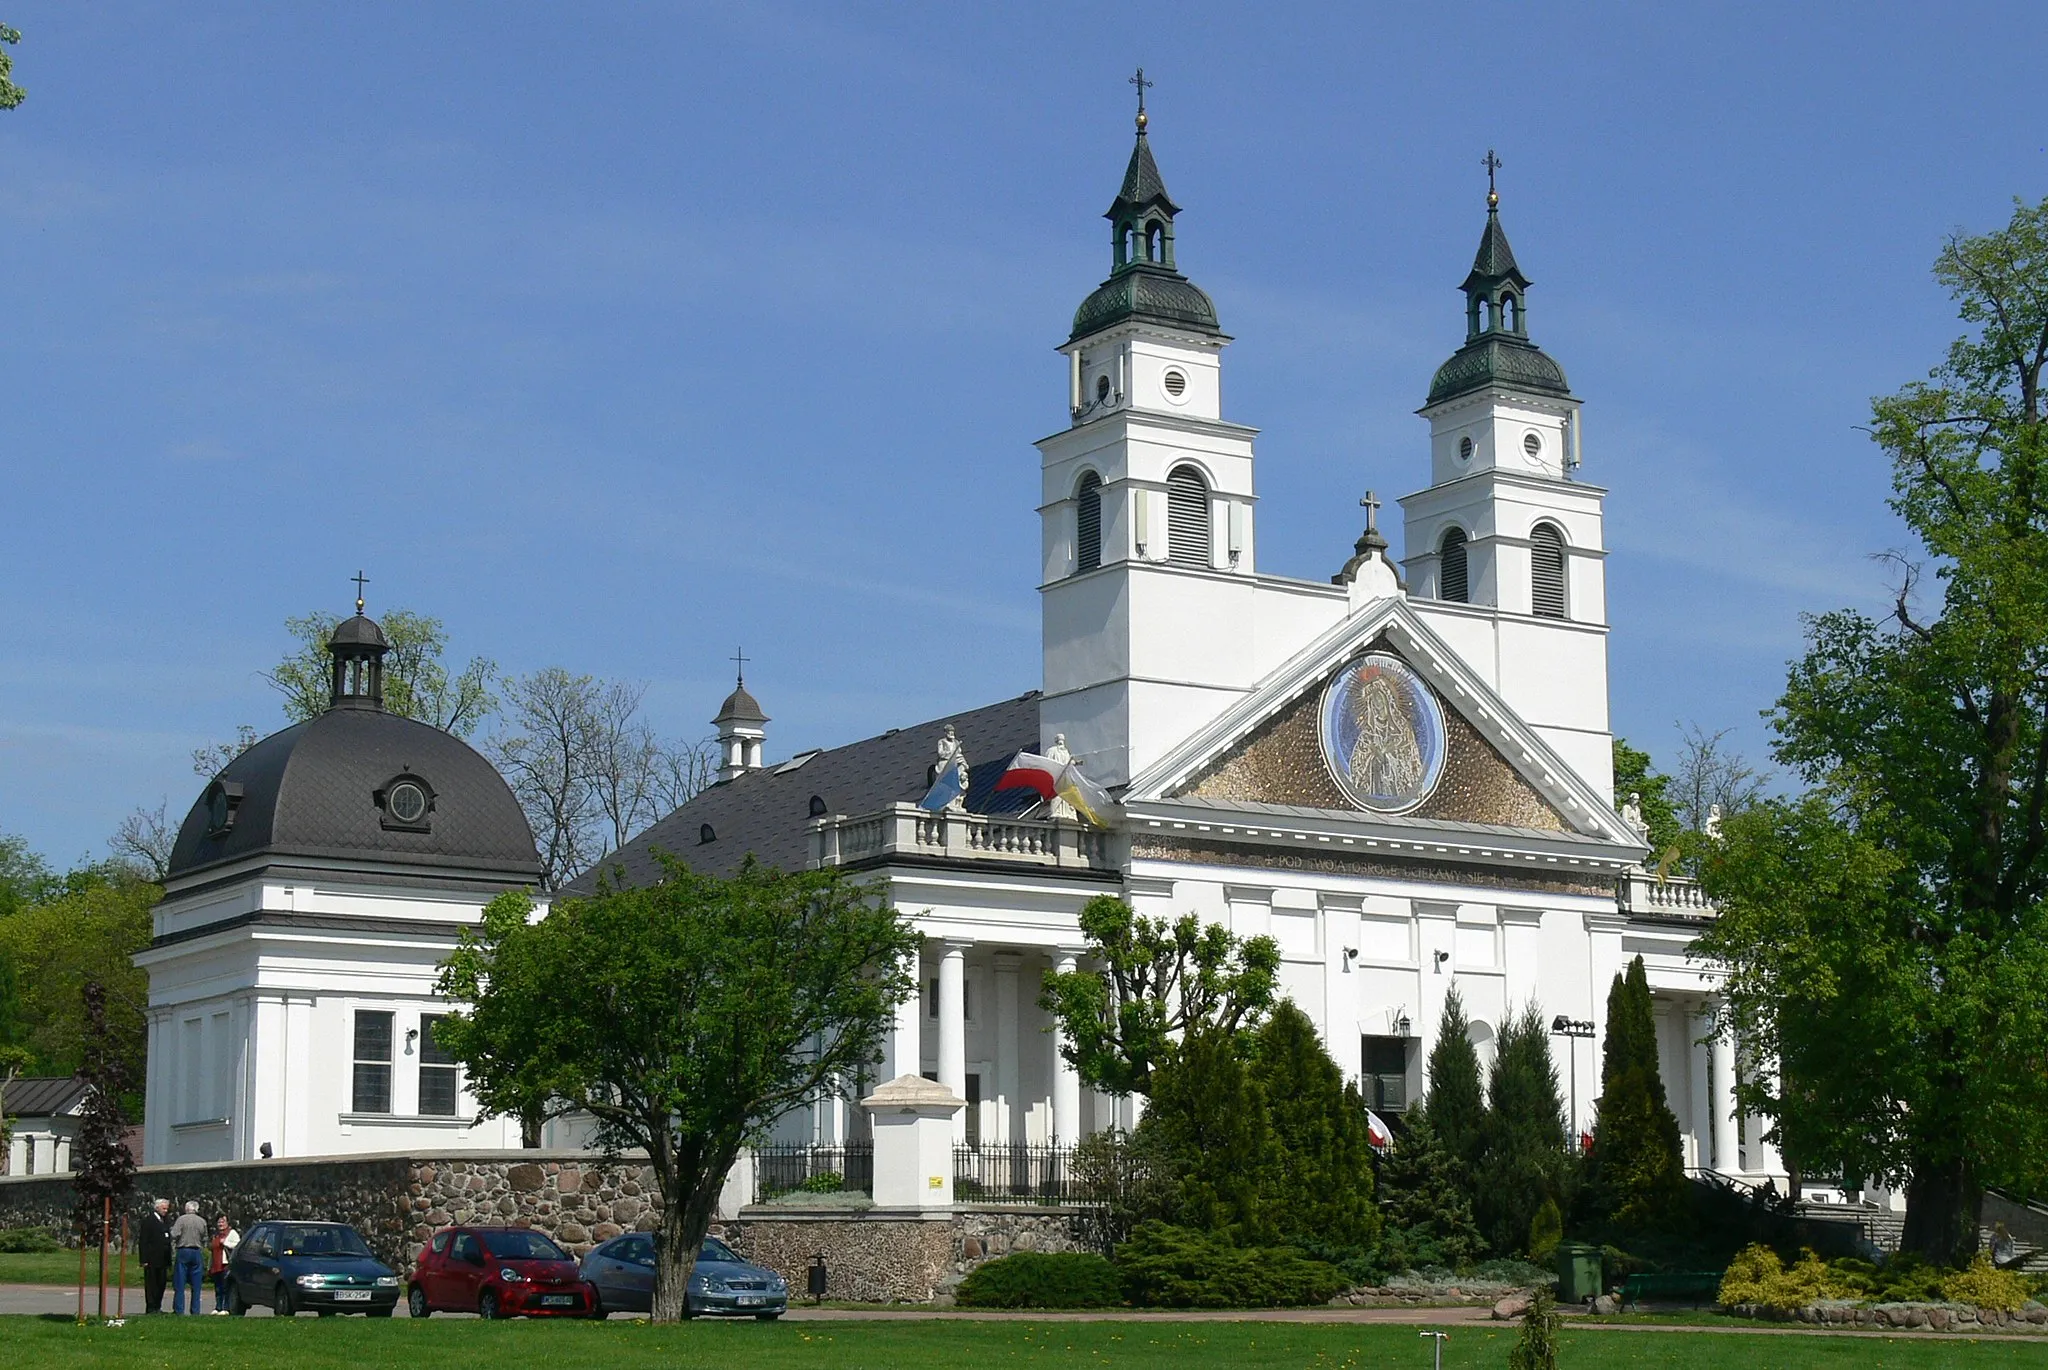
(1187, 517)
(1155, 243)
(1088, 523)
(1546, 566)
(1451, 580)
(1510, 311)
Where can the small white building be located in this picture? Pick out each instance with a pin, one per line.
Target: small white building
(43, 1111)
(314, 889)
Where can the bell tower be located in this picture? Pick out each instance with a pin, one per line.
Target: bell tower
(1506, 532)
(1147, 501)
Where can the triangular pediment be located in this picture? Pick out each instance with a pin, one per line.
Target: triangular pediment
(1380, 720)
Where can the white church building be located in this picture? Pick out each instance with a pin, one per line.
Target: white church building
(1402, 774)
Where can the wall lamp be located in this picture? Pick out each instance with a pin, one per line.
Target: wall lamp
(1441, 957)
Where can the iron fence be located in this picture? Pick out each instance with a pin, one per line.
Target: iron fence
(1022, 1173)
(792, 1166)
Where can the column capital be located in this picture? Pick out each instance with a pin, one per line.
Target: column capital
(955, 946)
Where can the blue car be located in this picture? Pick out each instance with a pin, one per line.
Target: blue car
(621, 1272)
(295, 1267)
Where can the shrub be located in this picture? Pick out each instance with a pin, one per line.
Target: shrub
(1536, 1348)
(1986, 1286)
(1757, 1276)
(1322, 1175)
(824, 1182)
(1546, 1230)
(1176, 1267)
(1037, 1279)
(23, 1240)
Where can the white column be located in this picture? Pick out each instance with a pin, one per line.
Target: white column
(1700, 1094)
(1763, 1156)
(1066, 1081)
(1727, 1116)
(953, 1027)
(1009, 1117)
(905, 1047)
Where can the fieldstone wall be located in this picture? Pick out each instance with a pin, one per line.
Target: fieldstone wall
(896, 1256)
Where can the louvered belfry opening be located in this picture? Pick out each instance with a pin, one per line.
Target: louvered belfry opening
(1452, 583)
(1546, 561)
(1187, 517)
(1088, 524)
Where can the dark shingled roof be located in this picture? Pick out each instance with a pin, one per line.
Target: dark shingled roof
(768, 812)
(311, 789)
(1143, 184)
(1495, 260)
(740, 707)
(358, 632)
(44, 1096)
(1498, 359)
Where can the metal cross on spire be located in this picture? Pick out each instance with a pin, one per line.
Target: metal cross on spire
(740, 658)
(1371, 505)
(361, 580)
(1142, 84)
(1492, 164)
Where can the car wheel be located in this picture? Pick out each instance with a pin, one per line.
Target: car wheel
(236, 1304)
(597, 1308)
(416, 1302)
(487, 1306)
(283, 1302)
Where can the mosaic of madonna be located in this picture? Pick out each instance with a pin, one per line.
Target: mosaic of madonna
(1382, 734)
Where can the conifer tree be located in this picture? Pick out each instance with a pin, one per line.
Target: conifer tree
(1636, 1171)
(1525, 1160)
(1423, 1195)
(1322, 1182)
(1455, 1104)
(1208, 1124)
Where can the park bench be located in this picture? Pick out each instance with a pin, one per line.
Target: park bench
(1696, 1287)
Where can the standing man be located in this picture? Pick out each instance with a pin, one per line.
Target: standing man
(156, 1255)
(188, 1235)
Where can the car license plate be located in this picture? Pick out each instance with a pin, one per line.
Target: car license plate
(558, 1301)
(351, 1296)
(749, 1300)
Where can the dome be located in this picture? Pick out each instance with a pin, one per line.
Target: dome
(1498, 360)
(365, 784)
(740, 707)
(358, 632)
(1153, 295)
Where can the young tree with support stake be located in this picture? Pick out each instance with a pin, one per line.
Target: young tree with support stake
(1886, 937)
(683, 1017)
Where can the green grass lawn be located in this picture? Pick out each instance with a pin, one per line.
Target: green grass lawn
(61, 1267)
(360, 1344)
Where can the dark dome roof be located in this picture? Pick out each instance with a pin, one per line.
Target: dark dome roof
(1494, 359)
(1153, 294)
(740, 707)
(313, 790)
(358, 632)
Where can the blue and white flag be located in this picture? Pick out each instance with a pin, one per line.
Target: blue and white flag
(944, 790)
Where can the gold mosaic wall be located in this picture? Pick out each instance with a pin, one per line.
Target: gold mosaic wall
(1282, 763)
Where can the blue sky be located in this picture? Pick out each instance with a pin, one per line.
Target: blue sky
(620, 335)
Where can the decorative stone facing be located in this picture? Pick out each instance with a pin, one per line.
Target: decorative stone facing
(1931, 1317)
(879, 1256)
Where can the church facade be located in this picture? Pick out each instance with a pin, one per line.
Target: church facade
(1402, 774)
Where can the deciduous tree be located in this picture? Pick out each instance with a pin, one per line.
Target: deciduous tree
(10, 94)
(105, 1168)
(1155, 983)
(684, 1017)
(417, 683)
(1887, 937)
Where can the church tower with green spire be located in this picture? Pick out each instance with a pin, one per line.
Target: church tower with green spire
(1506, 534)
(1146, 503)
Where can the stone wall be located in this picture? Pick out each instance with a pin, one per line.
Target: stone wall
(887, 1256)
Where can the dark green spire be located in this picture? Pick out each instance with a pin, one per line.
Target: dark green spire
(1497, 349)
(1143, 282)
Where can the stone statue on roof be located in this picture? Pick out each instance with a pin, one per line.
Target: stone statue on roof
(952, 758)
(1058, 754)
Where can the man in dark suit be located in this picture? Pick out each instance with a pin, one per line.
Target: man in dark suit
(156, 1255)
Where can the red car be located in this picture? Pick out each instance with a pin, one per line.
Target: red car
(496, 1272)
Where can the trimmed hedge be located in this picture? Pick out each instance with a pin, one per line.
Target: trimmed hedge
(1177, 1267)
(24, 1240)
(1039, 1279)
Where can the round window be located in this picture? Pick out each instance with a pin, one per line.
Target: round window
(1464, 449)
(406, 802)
(1532, 444)
(1101, 389)
(1176, 384)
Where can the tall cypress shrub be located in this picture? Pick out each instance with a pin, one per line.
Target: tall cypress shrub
(1322, 1192)
(1455, 1104)
(1209, 1127)
(1524, 1161)
(1637, 1173)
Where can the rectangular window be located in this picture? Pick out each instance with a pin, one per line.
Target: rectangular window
(372, 1092)
(932, 1000)
(191, 1047)
(1386, 1074)
(437, 1072)
(974, 1109)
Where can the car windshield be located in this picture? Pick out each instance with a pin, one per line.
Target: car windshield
(321, 1240)
(716, 1250)
(523, 1246)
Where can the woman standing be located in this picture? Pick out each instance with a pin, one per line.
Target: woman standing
(221, 1250)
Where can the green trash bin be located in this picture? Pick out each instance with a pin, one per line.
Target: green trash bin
(1578, 1272)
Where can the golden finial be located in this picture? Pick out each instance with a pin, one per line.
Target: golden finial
(1492, 164)
(361, 580)
(1141, 83)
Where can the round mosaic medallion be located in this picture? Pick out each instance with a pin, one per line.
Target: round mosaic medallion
(1382, 734)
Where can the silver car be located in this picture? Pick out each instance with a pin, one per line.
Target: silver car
(621, 1271)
